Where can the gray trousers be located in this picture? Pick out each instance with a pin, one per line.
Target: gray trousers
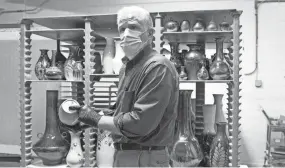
(141, 158)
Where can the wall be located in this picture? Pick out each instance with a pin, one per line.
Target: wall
(270, 60)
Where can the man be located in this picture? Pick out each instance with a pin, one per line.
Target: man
(143, 121)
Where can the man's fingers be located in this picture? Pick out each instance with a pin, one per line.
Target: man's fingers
(74, 107)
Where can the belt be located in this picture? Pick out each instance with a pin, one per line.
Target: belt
(132, 146)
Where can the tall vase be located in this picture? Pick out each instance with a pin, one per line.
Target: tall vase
(51, 148)
(218, 101)
(108, 55)
(42, 64)
(105, 149)
(209, 132)
(59, 58)
(219, 70)
(219, 153)
(186, 151)
(75, 157)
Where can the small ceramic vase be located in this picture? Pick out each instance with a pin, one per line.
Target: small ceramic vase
(185, 26)
(172, 26)
(199, 25)
(212, 25)
(75, 157)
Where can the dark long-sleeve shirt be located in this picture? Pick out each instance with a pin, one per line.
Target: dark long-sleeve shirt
(147, 101)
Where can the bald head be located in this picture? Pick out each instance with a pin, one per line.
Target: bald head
(135, 13)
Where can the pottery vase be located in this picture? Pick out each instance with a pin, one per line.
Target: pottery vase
(108, 55)
(75, 157)
(69, 63)
(105, 149)
(192, 60)
(186, 151)
(42, 64)
(199, 25)
(51, 148)
(77, 71)
(218, 101)
(185, 26)
(54, 72)
(225, 26)
(171, 26)
(212, 26)
(182, 74)
(59, 58)
(98, 67)
(175, 57)
(219, 153)
(209, 132)
(219, 70)
(203, 73)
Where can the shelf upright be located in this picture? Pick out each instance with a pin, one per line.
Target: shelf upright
(233, 93)
(89, 135)
(25, 93)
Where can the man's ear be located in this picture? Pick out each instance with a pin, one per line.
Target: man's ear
(151, 32)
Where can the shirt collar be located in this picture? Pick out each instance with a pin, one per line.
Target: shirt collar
(144, 53)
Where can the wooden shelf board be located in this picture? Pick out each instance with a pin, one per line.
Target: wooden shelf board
(46, 81)
(205, 81)
(98, 77)
(37, 163)
(206, 36)
(61, 34)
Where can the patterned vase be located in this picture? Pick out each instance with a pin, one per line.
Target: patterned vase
(219, 153)
(42, 64)
(105, 149)
(75, 157)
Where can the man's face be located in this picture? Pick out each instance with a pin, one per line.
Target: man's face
(132, 23)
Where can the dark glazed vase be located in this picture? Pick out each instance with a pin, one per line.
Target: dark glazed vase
(175, 57)
(186, 151)
(219, 153)
(42, 64)
(51, 148)
(219, 70)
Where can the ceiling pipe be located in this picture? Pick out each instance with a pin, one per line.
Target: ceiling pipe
(257, 3)
(3, 11)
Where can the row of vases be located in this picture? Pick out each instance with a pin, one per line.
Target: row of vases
(193, 65)
(186, 150)
(174, 26)
(60, 68)
(53, 148)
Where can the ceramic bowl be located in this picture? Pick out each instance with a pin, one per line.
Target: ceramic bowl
(66, 116)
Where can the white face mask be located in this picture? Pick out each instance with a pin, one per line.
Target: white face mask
(132, 42)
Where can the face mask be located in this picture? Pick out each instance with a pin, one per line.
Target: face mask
(132, 42)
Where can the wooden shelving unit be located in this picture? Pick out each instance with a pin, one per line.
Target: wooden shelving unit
(89, 32)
